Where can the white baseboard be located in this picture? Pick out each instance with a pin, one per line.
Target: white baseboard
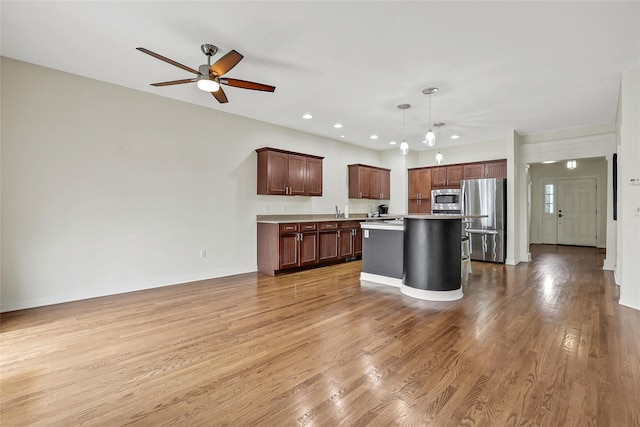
(383, 280)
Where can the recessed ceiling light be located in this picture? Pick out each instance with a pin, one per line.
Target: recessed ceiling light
(374, 137)
(337, 126)
(546, 162)
(392, 143)
(455, 136)
(341, 136)
(307, 116)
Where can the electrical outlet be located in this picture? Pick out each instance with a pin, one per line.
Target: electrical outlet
(203, 253)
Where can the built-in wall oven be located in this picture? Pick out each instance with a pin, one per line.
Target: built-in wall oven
(446, 200)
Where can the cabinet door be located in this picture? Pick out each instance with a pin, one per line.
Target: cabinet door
(374, 184)
(364, 175)
(439, 177)
(297, 175)
(357, 241)
(346, 243)
(308, 248)
(385, 185)
(414, 176)
(454, 176)
(496, 169)
(328, 245)
(287, 251)
(413, 207)
(473, 171)
(425, 184)
(314, 177)
(277, 173)
(420, 207)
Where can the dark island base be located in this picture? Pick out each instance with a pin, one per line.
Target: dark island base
(432, 256)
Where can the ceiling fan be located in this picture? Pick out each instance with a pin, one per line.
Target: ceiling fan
(210, 76)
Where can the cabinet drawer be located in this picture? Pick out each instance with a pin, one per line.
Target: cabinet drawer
(288, 228)
(350, 224)
(308, 226)
(328, 226)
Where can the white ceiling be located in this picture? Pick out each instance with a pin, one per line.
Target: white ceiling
(500, 66)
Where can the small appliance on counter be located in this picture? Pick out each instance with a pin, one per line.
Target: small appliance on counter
(383, 210)
(446, 201)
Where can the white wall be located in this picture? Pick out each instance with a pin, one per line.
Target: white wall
(586, 168)
(108, 190)
(627, 267)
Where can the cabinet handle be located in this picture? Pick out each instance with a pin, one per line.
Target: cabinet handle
(360, 195)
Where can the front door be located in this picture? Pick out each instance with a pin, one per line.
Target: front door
(577, 212)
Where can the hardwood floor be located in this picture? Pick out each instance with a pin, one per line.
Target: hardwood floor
(541, 343)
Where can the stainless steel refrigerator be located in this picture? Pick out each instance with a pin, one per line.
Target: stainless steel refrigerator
(487, 236)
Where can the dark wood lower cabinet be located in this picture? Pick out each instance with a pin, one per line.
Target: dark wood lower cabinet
(283, 247)
(287, 251)
(349, 239)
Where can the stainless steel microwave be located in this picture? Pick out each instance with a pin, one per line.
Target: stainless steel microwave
(446, 200)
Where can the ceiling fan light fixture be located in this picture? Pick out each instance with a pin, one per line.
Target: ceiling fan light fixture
(208, 84)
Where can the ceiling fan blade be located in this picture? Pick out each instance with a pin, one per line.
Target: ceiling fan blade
(174, 82)
(220, 96)
(167, 60)
(247, 85)
(224, 64)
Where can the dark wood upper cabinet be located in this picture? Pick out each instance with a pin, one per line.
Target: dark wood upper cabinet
(422, 180)
(439, 176)
(314, 176)
(473, 171)
(285, 173)
(369, 182)
(454, 175)
(497, 169)
(493, 169)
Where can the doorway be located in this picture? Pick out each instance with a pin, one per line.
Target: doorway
(569, 212)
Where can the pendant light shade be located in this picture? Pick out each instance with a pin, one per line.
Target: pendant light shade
(404, 146)
(430, 137)
(439, 157)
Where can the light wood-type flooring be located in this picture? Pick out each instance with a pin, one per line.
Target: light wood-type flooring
(542, 343)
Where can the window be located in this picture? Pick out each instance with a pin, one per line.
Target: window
(549, 198)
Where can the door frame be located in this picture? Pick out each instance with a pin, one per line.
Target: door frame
(555, 181)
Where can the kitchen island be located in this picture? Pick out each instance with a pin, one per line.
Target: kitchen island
(430, 256)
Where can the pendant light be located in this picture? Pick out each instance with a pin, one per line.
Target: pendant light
(404, 146)
(430, 137)
(439, 156)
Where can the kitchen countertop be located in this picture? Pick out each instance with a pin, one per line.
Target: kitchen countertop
(281, 219)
